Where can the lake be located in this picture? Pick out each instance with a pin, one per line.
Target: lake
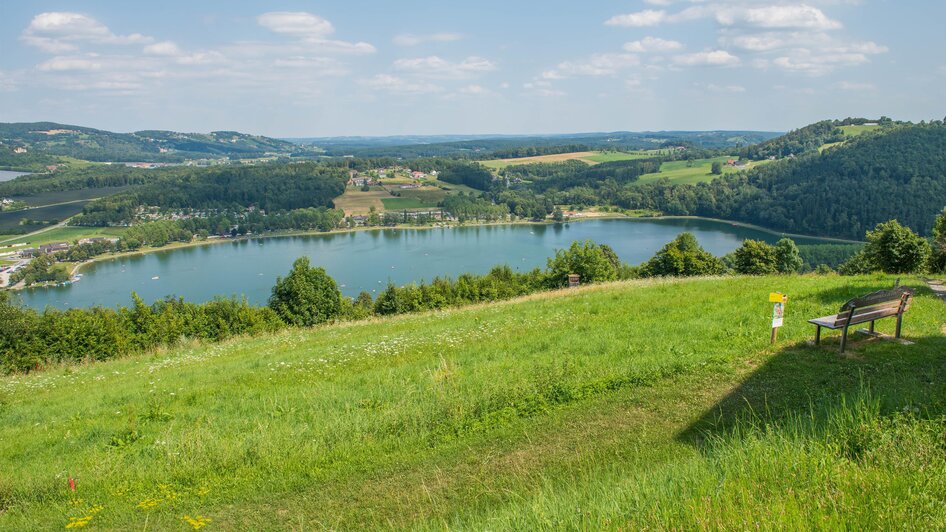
(368, 260)
(7, 175)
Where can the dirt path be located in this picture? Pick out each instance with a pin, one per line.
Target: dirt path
(938, 287)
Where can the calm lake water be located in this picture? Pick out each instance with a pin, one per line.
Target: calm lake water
(367, 260)
(7, 175)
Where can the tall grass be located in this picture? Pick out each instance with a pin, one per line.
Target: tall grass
(588, 408)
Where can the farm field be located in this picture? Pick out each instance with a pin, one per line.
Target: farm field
(354, 201)
(64, 234)
(563, 410)
(10, 221)
(590, 157)
(678, 173)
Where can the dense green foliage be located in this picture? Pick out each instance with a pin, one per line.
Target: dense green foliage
(591, 262)
(755, 257)
(682, 257)
(305, 297)
(938, 253)
(31, 340)
(42, 269)
(842, 192)
(893, 248)
(831, 255)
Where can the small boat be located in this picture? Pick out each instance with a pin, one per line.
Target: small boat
(155, 278)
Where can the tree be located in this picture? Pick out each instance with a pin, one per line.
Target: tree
(755, 257)
(587, 259)
(716, 168)
(893, 248)
(787, 256)
(682, 256)
(938, 257)
(307, 296)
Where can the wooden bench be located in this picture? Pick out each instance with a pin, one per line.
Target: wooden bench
(864, 309)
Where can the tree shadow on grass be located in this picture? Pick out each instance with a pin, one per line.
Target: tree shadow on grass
(811, 380)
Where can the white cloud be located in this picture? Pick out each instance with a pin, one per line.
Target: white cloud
(69, 63)
(854, 86)
(652, 44)
(437, 67)
(707, 58)
(712, 87)
(640, 19)
(777, 17)
(389, 83)
(166, 48)
(412, 39)
(312, 30)
(297, 23)
(596, 65)
(58, 32)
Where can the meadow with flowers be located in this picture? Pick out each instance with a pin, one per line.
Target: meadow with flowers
(652, 403)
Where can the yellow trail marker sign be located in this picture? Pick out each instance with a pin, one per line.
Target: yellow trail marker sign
(778, 312)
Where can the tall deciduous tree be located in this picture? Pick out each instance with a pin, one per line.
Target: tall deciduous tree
(682, 256)
(787, 256)
(307, 296)
(755, 257)
(587, 259)
(893, 248)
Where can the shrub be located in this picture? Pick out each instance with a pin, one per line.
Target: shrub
(682, 256)
(307, 296)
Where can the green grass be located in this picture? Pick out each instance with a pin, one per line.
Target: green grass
(394, 204)
(853, 131)
(650, 404)
(66, 234)
(679, 173)
(607, 157)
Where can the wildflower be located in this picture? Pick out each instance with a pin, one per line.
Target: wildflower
(197, 522)
(148, 504)
(78, 522)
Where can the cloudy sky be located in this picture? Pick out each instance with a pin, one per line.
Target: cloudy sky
(358, 67)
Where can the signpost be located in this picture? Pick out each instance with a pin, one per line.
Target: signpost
(778, 312)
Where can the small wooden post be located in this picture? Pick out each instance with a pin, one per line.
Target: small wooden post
(573, 280)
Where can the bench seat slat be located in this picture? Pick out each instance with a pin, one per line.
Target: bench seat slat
(837, 321)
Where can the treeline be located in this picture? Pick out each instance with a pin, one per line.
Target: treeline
(842, 192)
(518, 152)
(456, 171)
(31, 340)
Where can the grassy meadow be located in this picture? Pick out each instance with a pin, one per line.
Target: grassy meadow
(643, 404)
(65, 234)
(700, 170)
(590, 157)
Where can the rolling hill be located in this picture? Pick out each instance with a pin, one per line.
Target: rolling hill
(565, 410)
(52, 139)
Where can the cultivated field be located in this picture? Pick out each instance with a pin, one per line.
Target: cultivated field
(853, 131)
(572, 410)
(354, 201)
(590, 157)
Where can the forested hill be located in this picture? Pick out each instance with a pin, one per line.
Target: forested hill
(49, 138)
(897, 172)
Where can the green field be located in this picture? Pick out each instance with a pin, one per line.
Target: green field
(64, 234)
(590, 157)
(853, 131)
(395, 204)
(645, 404)
(699, 171)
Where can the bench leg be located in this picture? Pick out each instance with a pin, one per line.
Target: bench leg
(817, 334)
(899, 323)
(872, 327)
(843, 339)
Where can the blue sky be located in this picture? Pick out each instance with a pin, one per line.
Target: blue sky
(310, 68)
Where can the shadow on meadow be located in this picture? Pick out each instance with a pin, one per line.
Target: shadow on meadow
(811, 381)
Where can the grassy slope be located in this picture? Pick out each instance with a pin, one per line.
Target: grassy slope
(66, 234)
(590, 157)
(605, 407)
(678, 173)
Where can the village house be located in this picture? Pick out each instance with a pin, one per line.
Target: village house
(19, 149)
(54, 247)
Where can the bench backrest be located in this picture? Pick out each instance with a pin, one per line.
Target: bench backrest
(876, 305)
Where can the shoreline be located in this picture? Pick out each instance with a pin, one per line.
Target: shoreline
(77, 268)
